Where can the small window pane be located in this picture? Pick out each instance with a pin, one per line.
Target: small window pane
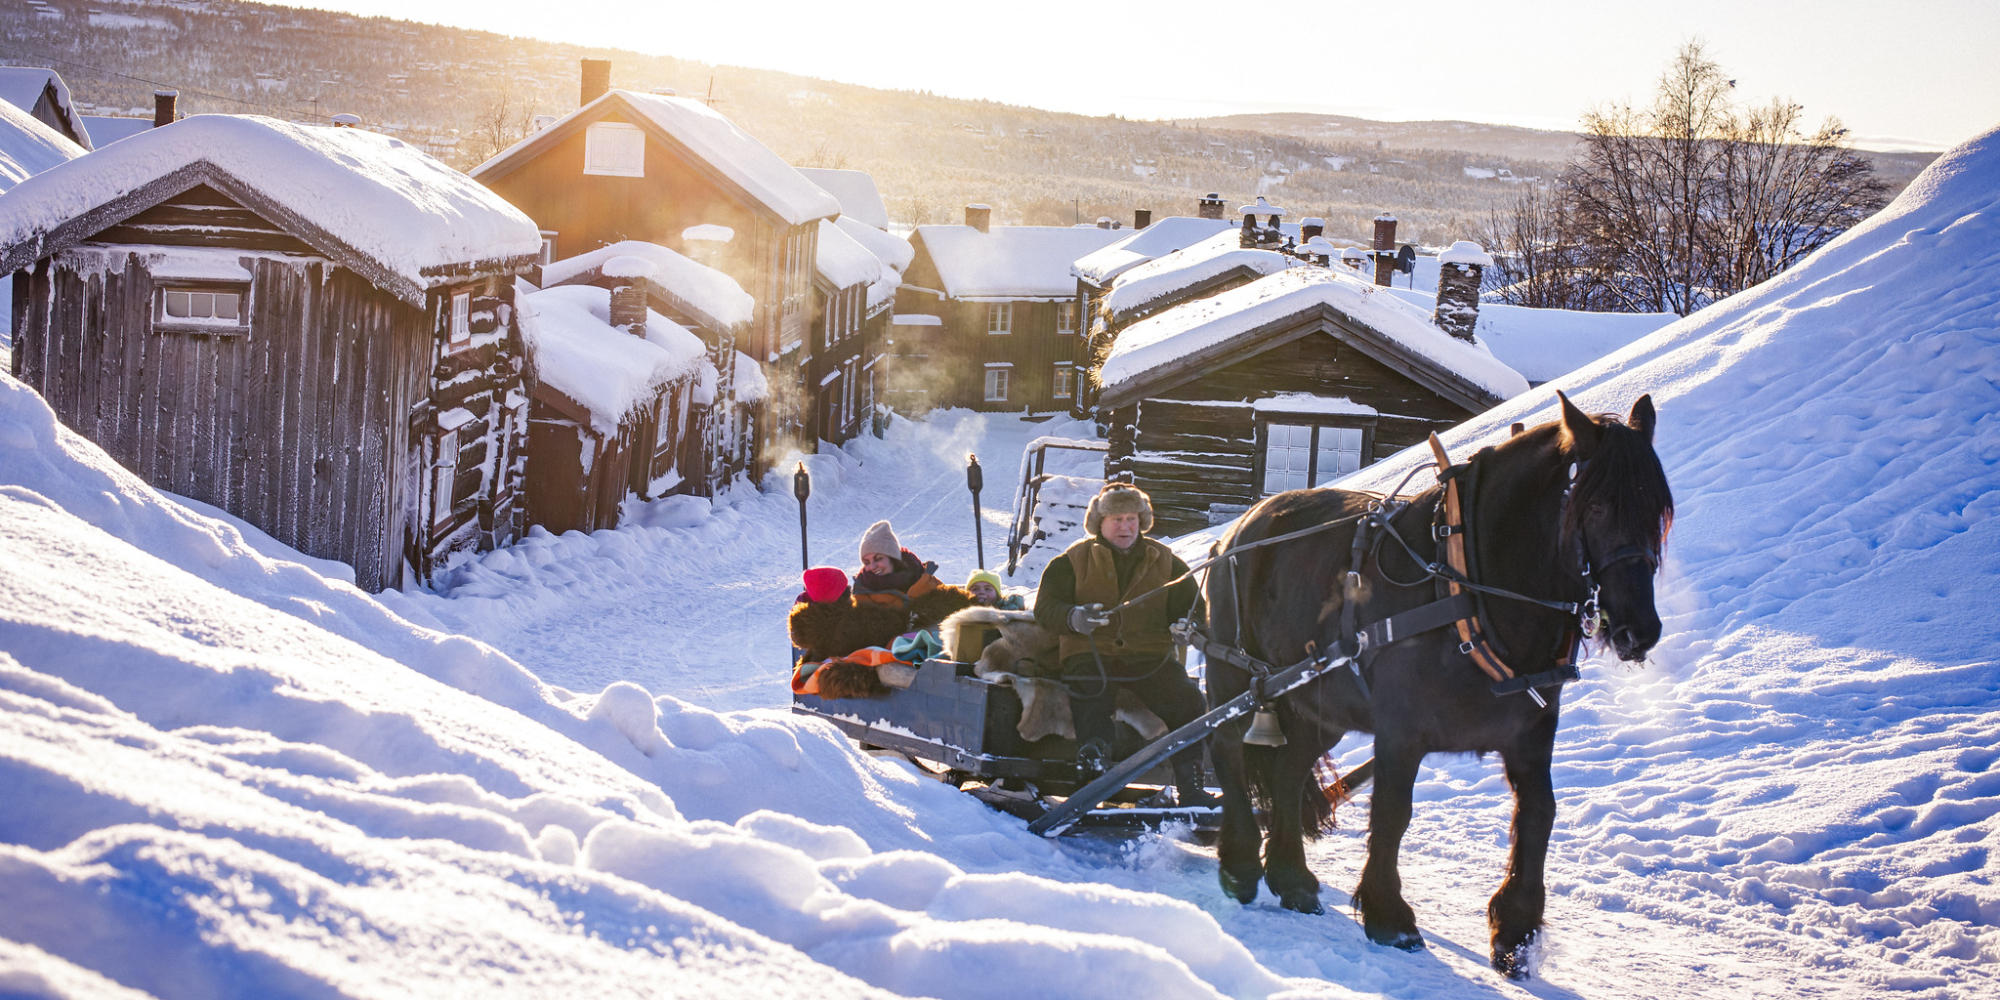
(1287, 458)
(996, 385)
(1339, 452)
(225, 305)
(616, 149)
(201, 305)
(1063, 376)
(177, 304)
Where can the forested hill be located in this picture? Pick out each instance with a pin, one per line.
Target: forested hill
(469, 93)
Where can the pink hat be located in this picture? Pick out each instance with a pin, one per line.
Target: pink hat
(825, 583)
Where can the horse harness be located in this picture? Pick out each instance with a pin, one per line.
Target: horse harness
(1461, 602)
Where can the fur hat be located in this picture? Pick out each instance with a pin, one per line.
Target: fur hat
(985, 576)
(1118, 498)
(825, 583)
(880, 538)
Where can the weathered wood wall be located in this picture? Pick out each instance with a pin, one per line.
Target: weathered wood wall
(475, 396)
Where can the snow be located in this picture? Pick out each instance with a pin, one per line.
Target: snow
(708, 232)
(1161, 278)
(841, 259)
(1543, 344)
(1157, 341)
(892, 250)
(384, 199)
(576, 350)
(1162, 237)
(1464, 252)
(916, 319)
(23, 87)
(722, 302)
(1303, 402)
(629, 266)
(855, 190)
(1260, 208)
(1010, 262)
(751, 386)
(105, 130)
(28, 147)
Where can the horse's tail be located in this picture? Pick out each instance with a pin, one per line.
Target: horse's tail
(1336, 789)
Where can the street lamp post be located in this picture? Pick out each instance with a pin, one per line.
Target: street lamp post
(974, 480)
(802, 488)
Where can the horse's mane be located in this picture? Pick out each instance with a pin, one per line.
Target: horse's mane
(1626, 479)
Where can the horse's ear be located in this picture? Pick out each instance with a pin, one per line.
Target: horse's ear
(1643, 418)
(1580, 434)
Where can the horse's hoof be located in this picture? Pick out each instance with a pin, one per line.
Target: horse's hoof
(1243, 890)
(1513, 963)
(1302, 901)
(1405, 940)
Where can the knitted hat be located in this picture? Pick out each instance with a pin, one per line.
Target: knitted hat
(1118, 498)
(880, 538)
(985, 576)
(825, 583)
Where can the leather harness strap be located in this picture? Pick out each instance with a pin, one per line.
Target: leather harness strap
(1471, 634)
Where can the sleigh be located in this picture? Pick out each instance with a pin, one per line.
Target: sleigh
(964, 731)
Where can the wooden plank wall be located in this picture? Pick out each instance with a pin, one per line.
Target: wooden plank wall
(957, 365)
(483, 379)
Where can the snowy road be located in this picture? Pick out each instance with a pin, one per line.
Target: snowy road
(692, 601)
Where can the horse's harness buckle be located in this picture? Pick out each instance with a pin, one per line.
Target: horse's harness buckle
(1590, 618)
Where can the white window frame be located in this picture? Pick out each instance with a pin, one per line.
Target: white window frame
(999, 318)
(444, 477)
(614, 149)
(996, 384)
(459, 332)
(1066, 319)
(1314, 476)
(191, 321)
(1062, 383)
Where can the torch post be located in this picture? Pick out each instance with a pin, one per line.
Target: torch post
(974, 481)
(802, 487)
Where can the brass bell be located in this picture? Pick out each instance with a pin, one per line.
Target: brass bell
(1264, 730)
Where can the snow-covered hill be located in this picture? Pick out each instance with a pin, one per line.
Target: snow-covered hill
(227, 776)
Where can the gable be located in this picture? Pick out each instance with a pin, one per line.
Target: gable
(201, 216)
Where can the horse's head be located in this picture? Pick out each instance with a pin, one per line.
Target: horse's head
(1616, 520)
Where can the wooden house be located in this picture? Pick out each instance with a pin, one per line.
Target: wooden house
(310, 328)
(1095, 271)
(613, 393)
(41, 93)
(715, 309)
(1006, 337)
(1280, 384)
(851, 288)
(672, 171)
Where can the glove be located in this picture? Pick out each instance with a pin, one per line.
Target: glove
(1087, 618)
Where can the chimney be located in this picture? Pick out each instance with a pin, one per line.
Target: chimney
(1385, 248)
(979, 217)
(628, 275)
(1459, 269)
(1141, 218)
(163, 106)
(1252, 236)
(596, 80)
(1309, 228)
(1211, 206)
(1104, 222)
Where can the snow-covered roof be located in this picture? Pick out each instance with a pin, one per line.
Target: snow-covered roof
(841, 261)
(575, 349)
(23, 87)
(714, 297)
(890, 249)
(751, 385)
(105, 130)
(1010, 262)
(1145, 353)
(28, 147)
(1163, 237)
(859, 199)
(377, 205)
(1152, 283)
(1543, 344)
(708, 139)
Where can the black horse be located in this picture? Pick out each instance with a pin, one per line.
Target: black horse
(1533, 530)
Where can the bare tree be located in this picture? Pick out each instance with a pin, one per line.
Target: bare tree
(1538, 256)
(498, 124)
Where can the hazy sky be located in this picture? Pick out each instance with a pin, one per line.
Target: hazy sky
(1914, 73)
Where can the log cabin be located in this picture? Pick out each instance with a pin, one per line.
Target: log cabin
(310, 328)
(1280, 384)
(1006, 308)
(672, 171)
(610, 418)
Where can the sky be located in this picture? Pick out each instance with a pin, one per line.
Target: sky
(1918, 74)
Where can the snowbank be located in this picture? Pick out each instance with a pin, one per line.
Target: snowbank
(1543, 344)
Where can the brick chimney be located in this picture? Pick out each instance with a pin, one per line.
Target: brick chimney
(628, 275)
(596, 80)
(163, 106)
(1385, 248)
(979, 217)
(1141, 218)
(1211, 206)
(1309, 228)
(1253, 236)
(1459, 270)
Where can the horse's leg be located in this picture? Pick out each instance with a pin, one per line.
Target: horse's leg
(1379, 897)
(1515, 913)
(1236, 849)
(1285, 868)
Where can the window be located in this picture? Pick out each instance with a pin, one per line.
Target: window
(461, 319)
(444, 477)
(217, 309)
(1066, 318)
(1065, 382)
(996, 385)
(614, 149)
(1000, 318)
(1299, 456)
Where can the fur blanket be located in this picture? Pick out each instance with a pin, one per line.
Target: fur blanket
(1026, 656)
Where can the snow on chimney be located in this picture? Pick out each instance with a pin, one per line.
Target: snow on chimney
(1211, 206)
(1459, 269)
(1141, 218)
(979, 217)
(1385, 248)
(163, 106)
(1309, 228)
(596, 80)
(628, 291)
